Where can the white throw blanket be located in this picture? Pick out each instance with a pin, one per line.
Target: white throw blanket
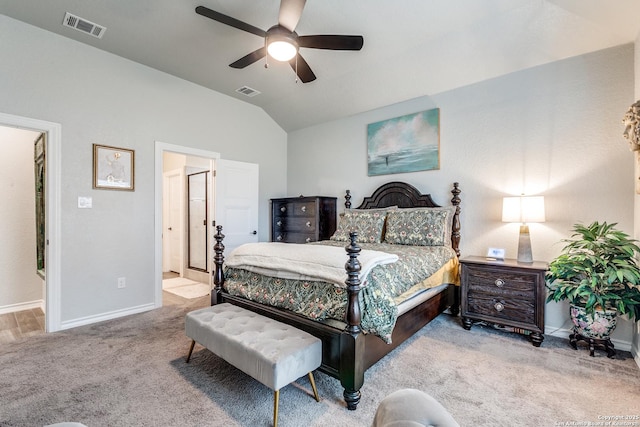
(303, 261)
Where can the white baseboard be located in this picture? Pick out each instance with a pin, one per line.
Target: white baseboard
(564, 333)
(12, 308)
(635, 351)
(68, 324)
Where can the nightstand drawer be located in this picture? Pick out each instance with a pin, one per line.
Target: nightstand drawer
(502, 308)
(503, 283)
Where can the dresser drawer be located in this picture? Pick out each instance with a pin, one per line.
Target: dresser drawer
(292, 237)
(296, 209)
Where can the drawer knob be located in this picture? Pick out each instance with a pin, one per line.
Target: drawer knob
(499, 306)
(303, 209)
(283, 209)
(279, 223)
(499, 283)
(279, 238)
(308, 224)
(308, 239)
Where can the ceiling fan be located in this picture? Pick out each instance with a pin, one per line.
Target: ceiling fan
(281, 41)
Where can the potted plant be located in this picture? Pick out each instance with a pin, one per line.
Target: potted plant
(598, 274)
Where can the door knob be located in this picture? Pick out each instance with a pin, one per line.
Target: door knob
(170, 228)
(254, 232)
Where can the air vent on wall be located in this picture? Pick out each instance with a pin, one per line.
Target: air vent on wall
(81, 24)
(246, 90)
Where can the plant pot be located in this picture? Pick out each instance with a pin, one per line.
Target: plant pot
(598, 325)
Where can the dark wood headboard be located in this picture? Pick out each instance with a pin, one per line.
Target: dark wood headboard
(406, 195)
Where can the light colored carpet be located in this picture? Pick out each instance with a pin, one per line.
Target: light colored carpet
(185, 288)
(131, 372)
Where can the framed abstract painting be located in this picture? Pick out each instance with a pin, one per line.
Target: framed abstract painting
(409, 143)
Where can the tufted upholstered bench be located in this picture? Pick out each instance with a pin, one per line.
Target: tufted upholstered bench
(273, 353)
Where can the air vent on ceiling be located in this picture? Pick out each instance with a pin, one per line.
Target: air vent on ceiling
(83, 25)
(246, 90)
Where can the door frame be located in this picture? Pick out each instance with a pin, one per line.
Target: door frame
(160, 148)
(53, 305)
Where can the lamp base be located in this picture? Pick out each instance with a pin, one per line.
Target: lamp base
(524, 245)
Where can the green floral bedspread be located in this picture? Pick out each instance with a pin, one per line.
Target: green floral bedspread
(321, 300)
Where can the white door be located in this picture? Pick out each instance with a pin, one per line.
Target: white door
(236, 202)
(172, 222)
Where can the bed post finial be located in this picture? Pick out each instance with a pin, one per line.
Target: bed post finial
(347, 200)
(455, 231)
(218, 259)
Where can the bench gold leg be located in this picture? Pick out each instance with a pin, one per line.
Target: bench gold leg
(313, 386)
(193, 343)
(276, 397)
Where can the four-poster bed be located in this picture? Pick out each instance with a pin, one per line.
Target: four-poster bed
(348, 350)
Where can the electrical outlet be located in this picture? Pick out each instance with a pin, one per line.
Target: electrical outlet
(122, 282)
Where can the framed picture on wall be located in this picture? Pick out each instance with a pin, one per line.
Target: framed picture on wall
(409, 143)
(113, 168)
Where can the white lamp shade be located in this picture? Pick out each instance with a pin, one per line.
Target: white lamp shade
(524, 209)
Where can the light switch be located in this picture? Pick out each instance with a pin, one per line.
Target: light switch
(85, 202)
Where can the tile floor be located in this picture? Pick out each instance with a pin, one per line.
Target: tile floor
(21, 324)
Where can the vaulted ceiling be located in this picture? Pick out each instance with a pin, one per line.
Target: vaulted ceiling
(412, 48)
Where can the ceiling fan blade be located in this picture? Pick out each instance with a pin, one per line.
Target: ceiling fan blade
(303, 70)
(233, 22)
(333, 42)
(249, 59)
(290, 13)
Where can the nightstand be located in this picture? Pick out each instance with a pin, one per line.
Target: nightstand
(504, 292)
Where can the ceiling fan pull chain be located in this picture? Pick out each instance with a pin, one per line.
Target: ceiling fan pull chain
(266, 57)
(296, 68)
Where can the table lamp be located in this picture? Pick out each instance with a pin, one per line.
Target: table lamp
(524, 210)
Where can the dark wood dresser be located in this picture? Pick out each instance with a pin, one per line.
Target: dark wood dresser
(506, 293)
(303, 219)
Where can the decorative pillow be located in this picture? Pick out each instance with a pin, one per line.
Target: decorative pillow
(420, 226)
(390, 208)
(368, 223)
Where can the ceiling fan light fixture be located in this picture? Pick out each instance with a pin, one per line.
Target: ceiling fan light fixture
(282, 50)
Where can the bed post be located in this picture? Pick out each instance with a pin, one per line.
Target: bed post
(218, 259)
(455, 242)
(347, 199)
(455, 232)
(352, 341)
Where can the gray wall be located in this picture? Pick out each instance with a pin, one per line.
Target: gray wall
(104, 99)
(553, 130)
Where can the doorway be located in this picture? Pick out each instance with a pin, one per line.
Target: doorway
(174, 165)
(233, 201)
(186, 206)
(51, 191)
